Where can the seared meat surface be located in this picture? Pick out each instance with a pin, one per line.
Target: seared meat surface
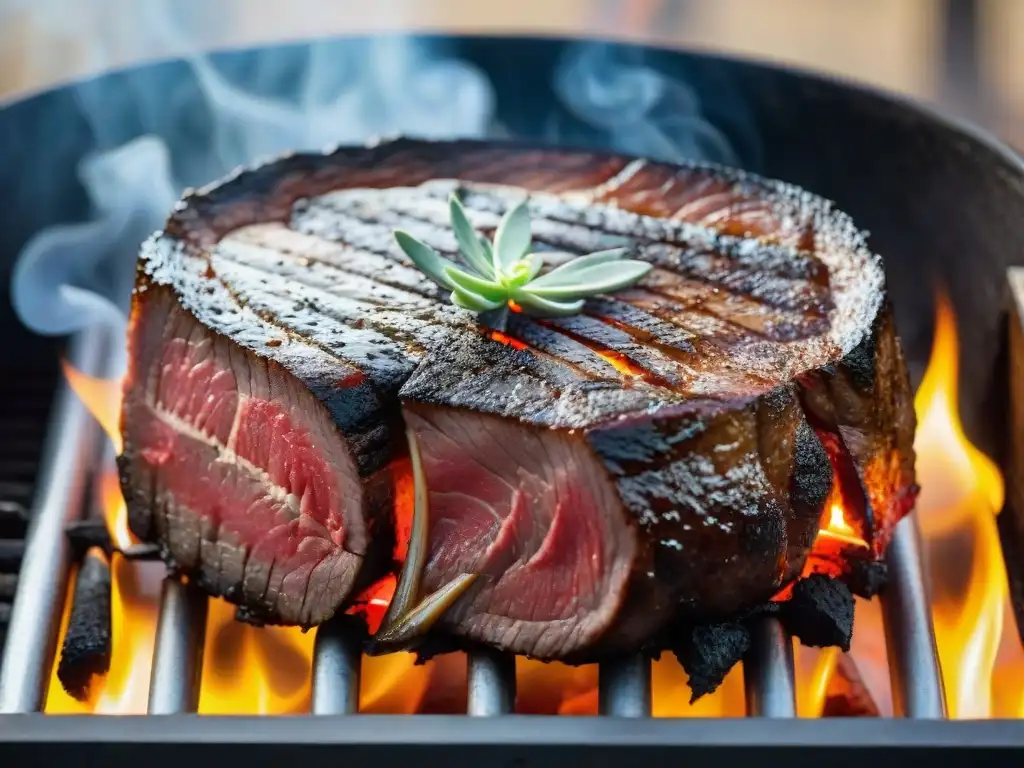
(666, 453)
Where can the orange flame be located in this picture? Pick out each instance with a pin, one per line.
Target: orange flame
(961, 493)
(102, 398)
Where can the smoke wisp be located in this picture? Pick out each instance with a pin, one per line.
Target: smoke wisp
(154, 137)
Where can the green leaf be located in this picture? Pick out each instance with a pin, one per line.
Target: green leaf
(485, 244)
(512, 240)
(473, 284)
(540, 306)
(566, 274)
(536, 262)
(427, 260)
(599, 278)
(469, 242)
(471, 301)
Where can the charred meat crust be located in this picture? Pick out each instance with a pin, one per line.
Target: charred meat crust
(362, 332)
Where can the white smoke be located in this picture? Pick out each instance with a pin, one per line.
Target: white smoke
(155, 136)
(640, 111)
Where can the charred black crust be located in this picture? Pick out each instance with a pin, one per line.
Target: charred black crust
(463, 357)
(632, 445)
(866, 578)
(820, 612)
(763, 534)
(812, 472)
(708, 652)
(859, 363)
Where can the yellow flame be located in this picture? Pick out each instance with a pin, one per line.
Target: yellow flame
(812, 684)
(961, 493)
(102, 398)
(837, 529)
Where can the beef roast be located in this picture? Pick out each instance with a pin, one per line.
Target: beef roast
(666, 453)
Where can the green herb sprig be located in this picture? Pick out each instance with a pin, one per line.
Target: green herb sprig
(494, 274)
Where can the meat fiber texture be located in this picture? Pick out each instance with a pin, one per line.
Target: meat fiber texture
(665, 455)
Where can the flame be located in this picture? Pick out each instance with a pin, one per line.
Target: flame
(837, 529)
(961, 493)
(102, 398)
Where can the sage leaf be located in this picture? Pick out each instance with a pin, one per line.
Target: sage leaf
(512, 240)
(471, 301)
(426, 259)
(600, 278)
(477, 285)
(566, 273)
(543, 307)
(469, 242)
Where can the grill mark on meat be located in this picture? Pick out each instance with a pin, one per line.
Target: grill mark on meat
(658, 369)
(671, 339)
(561, 346)
(305, 249)
(618, 223)
(715, 263)
(366, 222)
(329, 277)
(298, 304)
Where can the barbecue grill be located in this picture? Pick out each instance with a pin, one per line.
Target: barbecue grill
(928, 189)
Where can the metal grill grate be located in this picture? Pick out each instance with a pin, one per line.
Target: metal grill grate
(25, 400)
(624, 687)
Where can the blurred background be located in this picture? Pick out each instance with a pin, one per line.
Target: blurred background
(963, 54)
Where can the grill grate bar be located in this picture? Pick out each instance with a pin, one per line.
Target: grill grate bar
(492, 683)
(337, 658)
(624, 687)
(73, 440)
(909, 635)
(178, 651)
(768, 671)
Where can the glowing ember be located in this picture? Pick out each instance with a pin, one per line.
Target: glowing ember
(507, 340)
(267, 670)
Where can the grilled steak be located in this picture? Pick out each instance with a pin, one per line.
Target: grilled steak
(666, 453)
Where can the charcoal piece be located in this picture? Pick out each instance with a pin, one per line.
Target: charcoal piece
(87, 642)
(708, 651)
(8, 586)
(847, 695)
(13, 519)
(11, 552)
(93, 532)
(866, 578)
(88, 533)
(820, 612)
